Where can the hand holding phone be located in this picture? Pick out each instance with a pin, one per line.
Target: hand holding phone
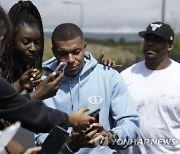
(61, 66)
(95, 114)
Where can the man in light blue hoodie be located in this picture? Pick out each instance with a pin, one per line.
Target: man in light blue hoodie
(89, 84)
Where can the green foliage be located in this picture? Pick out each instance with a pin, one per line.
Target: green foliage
(122, 47)
(135, 47)
(107, 42)
(122, 52)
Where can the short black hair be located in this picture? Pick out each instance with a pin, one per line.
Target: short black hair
(65, 32)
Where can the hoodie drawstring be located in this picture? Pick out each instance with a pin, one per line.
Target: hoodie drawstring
(71, 95)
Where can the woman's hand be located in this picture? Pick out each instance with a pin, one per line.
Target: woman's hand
(29, 79)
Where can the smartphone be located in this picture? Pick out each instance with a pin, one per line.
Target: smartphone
(56, 139)
(60, 67)
(96, 115)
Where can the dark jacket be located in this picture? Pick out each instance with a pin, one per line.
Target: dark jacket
(32, 114)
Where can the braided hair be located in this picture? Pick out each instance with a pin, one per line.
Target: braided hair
(22, 13)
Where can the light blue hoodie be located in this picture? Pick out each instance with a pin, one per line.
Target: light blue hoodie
(96, 86)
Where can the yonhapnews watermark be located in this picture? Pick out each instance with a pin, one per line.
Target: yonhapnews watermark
(159, 141)
(103, 141)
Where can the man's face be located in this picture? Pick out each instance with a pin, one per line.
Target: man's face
(72, 52)
(27, 43)
(155, 48)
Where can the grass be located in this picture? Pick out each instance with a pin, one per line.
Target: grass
(115, 53)
(121, 52)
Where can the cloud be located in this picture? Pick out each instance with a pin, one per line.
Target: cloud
(106, 15)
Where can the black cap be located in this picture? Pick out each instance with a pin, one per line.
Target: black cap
(160, 29)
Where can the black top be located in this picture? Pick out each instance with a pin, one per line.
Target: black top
(32, 114)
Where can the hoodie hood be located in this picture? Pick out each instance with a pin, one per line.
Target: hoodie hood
(51, 64)
(69, 82)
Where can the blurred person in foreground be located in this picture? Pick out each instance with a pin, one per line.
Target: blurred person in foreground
(154, 85)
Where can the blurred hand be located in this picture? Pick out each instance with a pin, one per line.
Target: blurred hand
(33, 150)
(30, 78)
(4, 123)
(48, 87)
(84, 138)
(14, 147)
(80, 121)
(27, 80)
(103, 137)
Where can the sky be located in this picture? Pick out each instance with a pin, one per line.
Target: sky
(116, 16)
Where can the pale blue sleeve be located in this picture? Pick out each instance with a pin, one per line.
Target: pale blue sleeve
(123, 111)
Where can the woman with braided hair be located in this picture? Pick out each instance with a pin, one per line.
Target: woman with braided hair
(23, 51)
(26, 51)
(22, 57)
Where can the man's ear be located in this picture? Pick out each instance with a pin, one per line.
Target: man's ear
(170, 47)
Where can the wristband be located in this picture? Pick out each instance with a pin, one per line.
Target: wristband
(115, 137)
